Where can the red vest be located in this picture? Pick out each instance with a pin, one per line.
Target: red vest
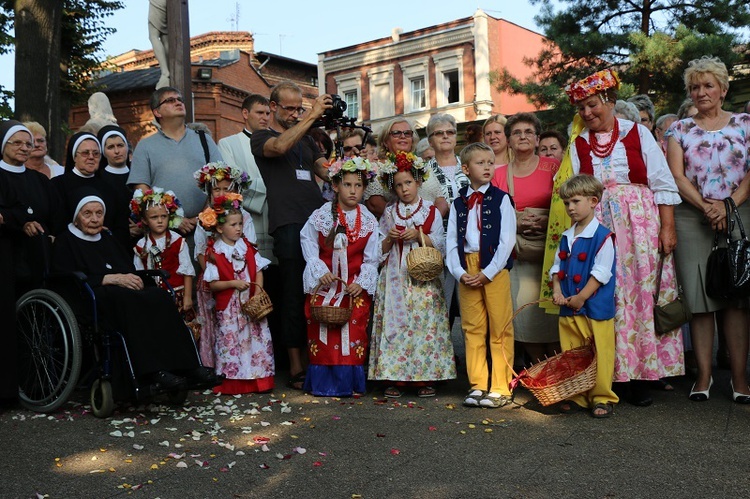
(170, 261)
(355, 255)
(226, 272)
(632, 141)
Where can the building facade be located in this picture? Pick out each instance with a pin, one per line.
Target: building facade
(444, 68)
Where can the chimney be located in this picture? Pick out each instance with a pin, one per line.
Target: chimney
(396, 34)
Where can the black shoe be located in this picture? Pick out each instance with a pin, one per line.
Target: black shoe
(639, 393)
(167, 381)
(203, 377)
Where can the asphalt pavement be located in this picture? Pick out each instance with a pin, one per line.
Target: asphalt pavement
(291, 445)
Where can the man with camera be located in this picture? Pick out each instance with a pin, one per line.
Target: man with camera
(289, 160)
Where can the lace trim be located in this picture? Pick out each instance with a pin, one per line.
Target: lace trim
(322, 220)
(368, 278)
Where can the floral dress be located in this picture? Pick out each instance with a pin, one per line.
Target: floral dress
(242, 348)
(337, 353)
(411, 338)
(204, 299)
(630, 211)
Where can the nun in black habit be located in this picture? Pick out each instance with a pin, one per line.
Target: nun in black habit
(160, 345)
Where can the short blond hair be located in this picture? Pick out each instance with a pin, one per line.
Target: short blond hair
(386, 130)
(469, 151)
(35, 128)
(706, 65)
(582, 185)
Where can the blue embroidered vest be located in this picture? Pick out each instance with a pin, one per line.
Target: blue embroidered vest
(491, 223)
(577, 265)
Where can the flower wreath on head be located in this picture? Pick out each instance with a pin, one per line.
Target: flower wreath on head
(156, 196)
(360, 166)
(401, 161)
(217, 171)
(216, 215)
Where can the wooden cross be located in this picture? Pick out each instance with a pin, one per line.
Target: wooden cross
(178, 33)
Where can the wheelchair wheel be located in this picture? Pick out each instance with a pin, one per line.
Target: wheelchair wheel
(49, 350)
(102, 398)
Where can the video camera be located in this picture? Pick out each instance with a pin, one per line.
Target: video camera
(336, 119)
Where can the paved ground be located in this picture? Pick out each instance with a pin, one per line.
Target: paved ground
(293, 445)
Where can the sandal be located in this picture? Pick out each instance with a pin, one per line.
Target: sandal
(297, 382)
(392, 392)
(607, 408)
(568, 407)
(426, 391)
(663, 385)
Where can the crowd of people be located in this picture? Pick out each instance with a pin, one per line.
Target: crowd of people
(579, 227)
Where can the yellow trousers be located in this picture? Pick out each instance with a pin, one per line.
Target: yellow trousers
(492, 303)
(574, 331)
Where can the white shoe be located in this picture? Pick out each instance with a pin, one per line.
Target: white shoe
(474, 397)
(702, 396)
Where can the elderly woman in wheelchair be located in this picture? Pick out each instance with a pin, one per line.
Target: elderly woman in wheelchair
(160, 348)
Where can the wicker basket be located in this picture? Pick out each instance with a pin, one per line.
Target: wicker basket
(327, 314)
(560, 377)
(424, 263)
(193, 322)
(258, 306)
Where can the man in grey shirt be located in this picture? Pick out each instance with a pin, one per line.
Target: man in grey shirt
(168, 158)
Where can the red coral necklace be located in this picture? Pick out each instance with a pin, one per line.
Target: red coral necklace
(604, 150)
(407, 217)
(353, 233)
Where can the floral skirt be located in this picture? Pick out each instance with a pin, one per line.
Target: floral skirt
(631, 213)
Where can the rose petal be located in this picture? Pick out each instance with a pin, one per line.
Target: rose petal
(182, 464)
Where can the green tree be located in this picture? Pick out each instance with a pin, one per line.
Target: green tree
(58, 46)
(648, 42)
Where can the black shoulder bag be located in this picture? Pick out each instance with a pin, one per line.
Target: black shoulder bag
(728, 267)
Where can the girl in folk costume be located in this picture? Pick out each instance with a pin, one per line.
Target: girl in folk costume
(340, 241)
(243, 350)
(159, 212)
(411, 343)
(216, 179)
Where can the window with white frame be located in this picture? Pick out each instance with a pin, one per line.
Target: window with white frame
(418, 100)
(381, 92)
(352, 104)
(449, 75)
(416, 84)
(348, 86)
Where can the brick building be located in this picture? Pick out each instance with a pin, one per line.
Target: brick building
(442, 68)
(225, 69)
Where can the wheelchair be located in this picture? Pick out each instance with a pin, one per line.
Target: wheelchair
(53, 343)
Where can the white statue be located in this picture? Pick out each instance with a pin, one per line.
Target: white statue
(157, 34)
(100, 113)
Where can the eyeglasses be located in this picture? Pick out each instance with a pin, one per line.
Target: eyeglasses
(443, 133)
(349, 148)
(522, 133)
(20, 143)
(292, 109)
(89, 154)
(170, 100)
(646, 120)
(401, 133)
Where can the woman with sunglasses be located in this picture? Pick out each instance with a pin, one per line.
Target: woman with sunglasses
(399, 135)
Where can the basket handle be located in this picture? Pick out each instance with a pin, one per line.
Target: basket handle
(421, 236)
(510, 321)
(317, 288)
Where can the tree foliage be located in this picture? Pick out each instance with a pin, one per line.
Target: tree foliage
(648, 42)
(83, 34)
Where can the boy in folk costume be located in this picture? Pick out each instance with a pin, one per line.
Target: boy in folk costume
(481, 235)
(583, 279)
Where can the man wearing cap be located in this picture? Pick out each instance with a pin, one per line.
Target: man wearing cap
(169, 157)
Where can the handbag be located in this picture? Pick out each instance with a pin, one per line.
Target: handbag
(528, 248)
(728, 267)
(674, 314)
